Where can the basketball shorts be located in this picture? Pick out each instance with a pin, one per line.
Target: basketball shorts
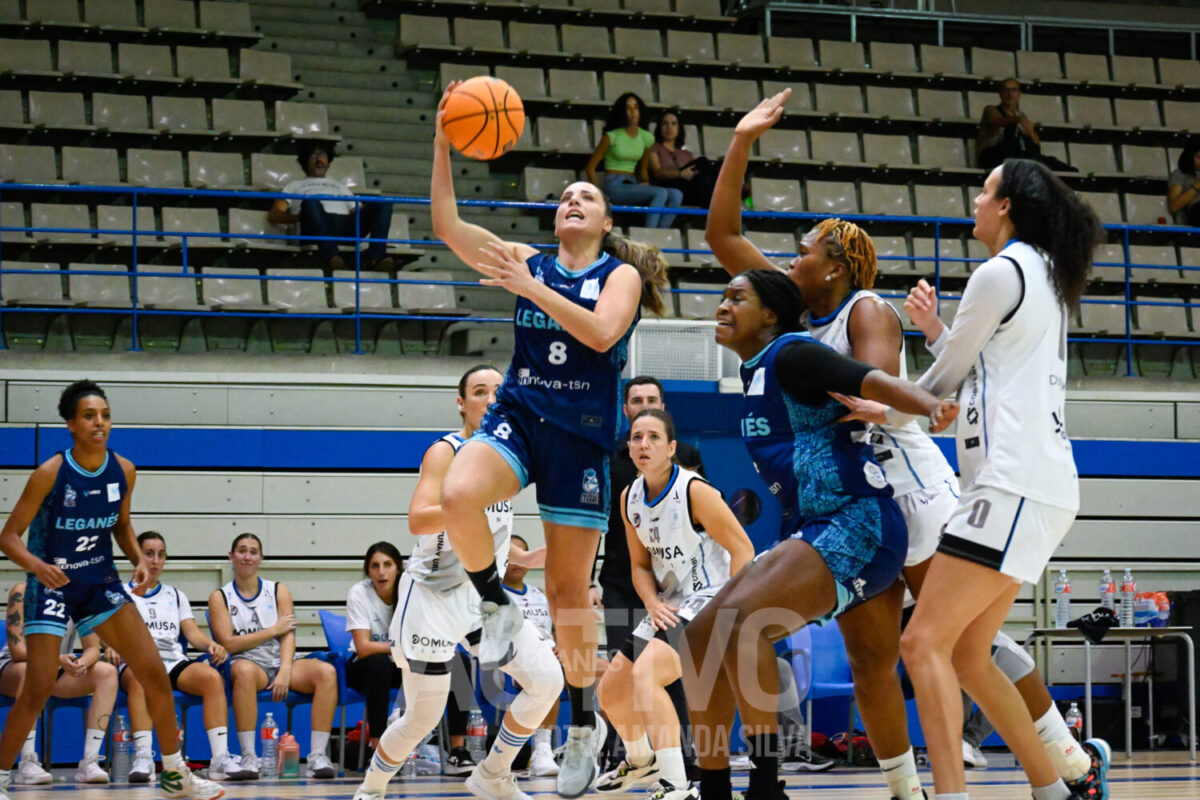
(864, 544)
(88, 604)
(689, 607)
(925, 513)
(570, 473)
(1005, 532)
(428, 625)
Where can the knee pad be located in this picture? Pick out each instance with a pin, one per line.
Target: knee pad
(1011, 658)
(426, 700)
(536, 668)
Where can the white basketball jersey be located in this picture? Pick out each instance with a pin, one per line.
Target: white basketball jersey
(163, 610)
(908, 456)
(684, 559)
(536, 608)
(433, 561)
(252, 614)
(1012, 432)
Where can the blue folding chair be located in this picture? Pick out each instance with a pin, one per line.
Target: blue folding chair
(339, 641)
(831, 675)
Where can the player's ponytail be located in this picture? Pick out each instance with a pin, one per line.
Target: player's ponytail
(649, 263)
(1048, 214)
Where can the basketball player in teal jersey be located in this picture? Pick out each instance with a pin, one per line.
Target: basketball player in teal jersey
(74, 504)
(554, 422)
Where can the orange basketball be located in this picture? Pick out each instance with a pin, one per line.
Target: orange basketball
(484, 118)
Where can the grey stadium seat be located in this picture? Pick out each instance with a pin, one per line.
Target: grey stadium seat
(99, 291)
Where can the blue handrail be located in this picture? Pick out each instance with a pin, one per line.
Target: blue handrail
(187, 241)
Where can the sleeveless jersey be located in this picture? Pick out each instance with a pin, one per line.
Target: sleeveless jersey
(251, 614)
(684, 558)
(554, 375)
(1012, 432)
(812, 465)
(163, 610)
(434, 563)
(908, 456)
(536, 608)
(73, 528)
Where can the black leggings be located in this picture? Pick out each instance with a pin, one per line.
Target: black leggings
(374, 676)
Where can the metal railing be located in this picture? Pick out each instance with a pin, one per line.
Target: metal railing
(940, 227)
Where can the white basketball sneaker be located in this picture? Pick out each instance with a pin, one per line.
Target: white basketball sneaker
(89, 771)
(30, 773)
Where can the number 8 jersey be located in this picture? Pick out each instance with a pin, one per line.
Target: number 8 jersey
(553, 374)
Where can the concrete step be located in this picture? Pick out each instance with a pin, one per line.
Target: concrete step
(316, 16)
(332, 47)
(312, 76)
(381, 63)
(329, 30)
(380, 114)
(336, 5)
(393, 131)
(382, 97)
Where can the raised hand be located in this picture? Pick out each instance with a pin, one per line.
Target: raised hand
(763, 116)
(921, 305)
(439, 134)
(505, 270)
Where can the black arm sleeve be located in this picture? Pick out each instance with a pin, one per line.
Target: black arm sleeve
(807, 370)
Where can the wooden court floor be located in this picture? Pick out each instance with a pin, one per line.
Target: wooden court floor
(1149, 776)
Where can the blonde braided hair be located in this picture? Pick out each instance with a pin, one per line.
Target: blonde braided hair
(850, 245)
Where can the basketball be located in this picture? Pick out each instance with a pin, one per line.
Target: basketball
(483, 118)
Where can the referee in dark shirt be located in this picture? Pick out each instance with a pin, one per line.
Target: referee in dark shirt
(623, 608)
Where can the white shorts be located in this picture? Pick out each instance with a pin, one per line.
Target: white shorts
(428, 625)
(925, 512)
(689, 607)
(1009, 533)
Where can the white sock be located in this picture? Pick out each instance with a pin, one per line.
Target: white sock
(320, 740)
(639, 752)
(541, 739)
(378, 774)
(142, 741)
(246, 740)
(900, 773)
(1070, 760)
(670, 766)
(30, 746)
(173, 761)
(504, 749)
(218, 741)
(1055, 791)
(92, 741)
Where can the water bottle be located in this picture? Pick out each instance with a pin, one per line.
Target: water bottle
(122, 750)
(1108, 591)
(270, 747)
(1074, 721)
(289, 756)
(409, 768)
(476, 736)
(1128, 593)
(1062, 600)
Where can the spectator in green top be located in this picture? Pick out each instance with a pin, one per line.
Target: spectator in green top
(624, 149)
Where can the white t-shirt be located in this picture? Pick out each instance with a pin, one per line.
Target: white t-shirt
(163, 610)
(536, 608)
(319, 186)
(366, 611)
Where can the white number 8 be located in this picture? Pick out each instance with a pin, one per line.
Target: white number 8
(504, 430)
(558, 353)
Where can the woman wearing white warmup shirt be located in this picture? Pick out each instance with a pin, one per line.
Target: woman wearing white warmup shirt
(369, 607)
(168, 614)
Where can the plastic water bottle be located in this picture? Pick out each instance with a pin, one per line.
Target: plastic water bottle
(270, 747)
(122, 750)
(1128, 594)
(476, 736)
(1062, 600)
(1108, 591)
(409, 768)
(1074, 720)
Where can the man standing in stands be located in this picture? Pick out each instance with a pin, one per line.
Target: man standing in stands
(331, 217)
(622, 607)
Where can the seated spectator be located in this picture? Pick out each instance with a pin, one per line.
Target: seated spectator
(254, 619)
(331, 217)
(674, 166)
(78, 676)
(168, 614)
(1004, 129)
(369, 608)
(625, 148)
(536, 609)
(1183, 187)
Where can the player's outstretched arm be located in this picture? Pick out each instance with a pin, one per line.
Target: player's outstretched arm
(714, 515)
(462, 237)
